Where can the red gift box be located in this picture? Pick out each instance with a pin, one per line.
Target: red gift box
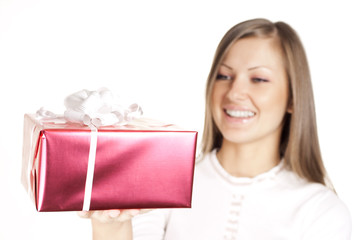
(133, 168)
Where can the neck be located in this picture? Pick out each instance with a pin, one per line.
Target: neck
(248, 160)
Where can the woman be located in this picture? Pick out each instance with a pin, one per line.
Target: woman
(261, 175)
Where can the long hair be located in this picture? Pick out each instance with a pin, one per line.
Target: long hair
(299, 145)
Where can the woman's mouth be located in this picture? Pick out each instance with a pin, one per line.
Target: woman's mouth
(239, 113)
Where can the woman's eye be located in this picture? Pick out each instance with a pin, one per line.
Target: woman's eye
(223, 77)
(258, 80)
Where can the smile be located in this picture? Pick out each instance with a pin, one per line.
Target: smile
(239, 114)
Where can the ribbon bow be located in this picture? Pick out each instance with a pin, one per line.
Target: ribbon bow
(98, 108)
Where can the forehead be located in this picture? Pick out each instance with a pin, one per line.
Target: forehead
(254, 51)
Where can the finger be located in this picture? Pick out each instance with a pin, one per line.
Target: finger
(107, 216)
(113, 213)
(132, 212)
(145, 210)
(84, 214)
(100, 216)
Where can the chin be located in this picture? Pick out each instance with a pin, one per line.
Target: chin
(238, 139)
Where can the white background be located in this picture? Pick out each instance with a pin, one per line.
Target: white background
(158, 53)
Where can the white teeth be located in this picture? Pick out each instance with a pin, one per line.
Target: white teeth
(237, 113)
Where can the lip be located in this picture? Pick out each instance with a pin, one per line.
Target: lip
(237, 107)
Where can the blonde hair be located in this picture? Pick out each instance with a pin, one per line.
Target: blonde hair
(299, 145)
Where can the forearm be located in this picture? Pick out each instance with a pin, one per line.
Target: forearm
(113, 231)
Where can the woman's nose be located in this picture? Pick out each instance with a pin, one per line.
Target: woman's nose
(239, 90)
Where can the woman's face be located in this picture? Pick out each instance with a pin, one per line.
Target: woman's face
(250, 94)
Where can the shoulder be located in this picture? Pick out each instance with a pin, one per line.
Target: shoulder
(327, 216)
(323, 214)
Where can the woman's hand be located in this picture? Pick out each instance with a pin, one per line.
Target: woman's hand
(111, 216)
(112, 224)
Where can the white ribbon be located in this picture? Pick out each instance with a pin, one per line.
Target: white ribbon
(98, 108)
(90, 170)
(45, 114)
(94, 109)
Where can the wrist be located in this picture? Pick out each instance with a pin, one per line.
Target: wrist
(111, 230)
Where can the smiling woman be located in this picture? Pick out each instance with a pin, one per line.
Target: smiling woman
(249, 106)
(278, 55)
(261, 175)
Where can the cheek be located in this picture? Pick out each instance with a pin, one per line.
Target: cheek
(274, 103)
(217, 95)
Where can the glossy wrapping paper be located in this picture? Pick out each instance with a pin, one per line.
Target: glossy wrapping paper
(134, 168)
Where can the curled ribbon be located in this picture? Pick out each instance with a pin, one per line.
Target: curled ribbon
(45, 114)
(98, 108)
(94, 109)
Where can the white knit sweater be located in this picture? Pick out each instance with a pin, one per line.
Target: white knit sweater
(274, 205)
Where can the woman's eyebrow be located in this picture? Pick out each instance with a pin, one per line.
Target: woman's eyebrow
(250, 68)
(223, 64)
(260, 66)
(268, 69)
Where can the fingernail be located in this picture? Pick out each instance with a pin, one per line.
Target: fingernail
(134, 212)
(114, 213)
